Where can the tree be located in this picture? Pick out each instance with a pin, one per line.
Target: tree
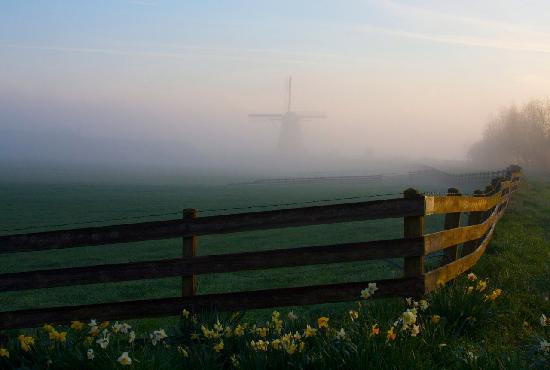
(519, 136)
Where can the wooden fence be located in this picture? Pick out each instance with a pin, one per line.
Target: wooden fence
(484, 210)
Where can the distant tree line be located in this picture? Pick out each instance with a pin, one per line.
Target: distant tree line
(517, 135)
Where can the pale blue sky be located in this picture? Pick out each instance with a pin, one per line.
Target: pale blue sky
(194, 69)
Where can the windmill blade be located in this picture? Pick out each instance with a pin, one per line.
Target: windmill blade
(312, 115)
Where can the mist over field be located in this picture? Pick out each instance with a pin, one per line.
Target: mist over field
(155, 87)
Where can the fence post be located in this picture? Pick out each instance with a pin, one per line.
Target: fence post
(413, 227)
(189, 249)
(452, 220)
(474, 218)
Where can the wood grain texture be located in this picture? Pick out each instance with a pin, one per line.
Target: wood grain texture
(444, 204)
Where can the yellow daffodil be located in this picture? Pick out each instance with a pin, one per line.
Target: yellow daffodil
(4, 352)
(310, 332)
(482, 285)
(470, 290)
(183, 351)
(26, 342)
(88, 340)
(390, 334)
(77, 325)
(276, 343)
(239, 330)
(124, 359)
(104, 324)
(435, 319)
(48, 328)
(219, 346)
(260, 345)
(60, 337)
(262, 332)
(302, 346)
(375, 329)
(495, 294)
(290, 347)
(353, 315)
(322, 322)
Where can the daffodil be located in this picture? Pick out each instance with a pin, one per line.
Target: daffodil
(390, 334)
(409, 317)
(185, 313)
(260, 345)
(353, 315)
(435, 319)
(48, 328)
(472, 277)
(183, 351)
(322, 322)
(131, 337)
(103, 342)
(239, 331)
(423, 305)
(543, 320)
(482, 285)
(4, 352)
(219, 346)
(104, 324)
(544, 346)
(341, 334)
(292, 316)
(302, 346)
(375, 329)
(262, 332)
(124, 359)
(290, 347)
(409, 301)
(77, 325)
(495, 294)
(234, 361)
(90, 354)
(310, 332)
(158, 336)
(415, 330)
(470, 290)
(276, 343)
(25, 342)
(60, 337)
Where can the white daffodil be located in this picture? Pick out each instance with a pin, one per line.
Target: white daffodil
(90, 354)
(543, 320)
(544, 346)
(158, 336)
(409, 301)
(92, 323)
(124, 359)
(341, 334)
(292, 316)
(131, 337)
(423, 304)
(372, 288)
(415, 330)
(103, 342)
(365, 293)
(472, 277)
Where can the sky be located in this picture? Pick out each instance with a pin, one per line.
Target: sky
(100, 79)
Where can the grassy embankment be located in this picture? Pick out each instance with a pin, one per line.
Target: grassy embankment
(473, 332)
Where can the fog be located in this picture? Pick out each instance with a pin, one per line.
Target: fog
(176, 99)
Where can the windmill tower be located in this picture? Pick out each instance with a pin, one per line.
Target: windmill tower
(290, 133)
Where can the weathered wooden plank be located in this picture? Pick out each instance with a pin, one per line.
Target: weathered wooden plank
(189, 249)
(443, 239)
(289, 257)
(475, 218)
(223, 302)
(444, 204)
(454, 269)
(452, 221)
(346, 212)
(413, 227)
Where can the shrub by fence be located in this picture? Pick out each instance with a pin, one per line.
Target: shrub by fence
(484, 210)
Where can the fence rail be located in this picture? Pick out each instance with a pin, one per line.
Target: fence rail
(484, 210)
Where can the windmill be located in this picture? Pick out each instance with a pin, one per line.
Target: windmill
(290, 133)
